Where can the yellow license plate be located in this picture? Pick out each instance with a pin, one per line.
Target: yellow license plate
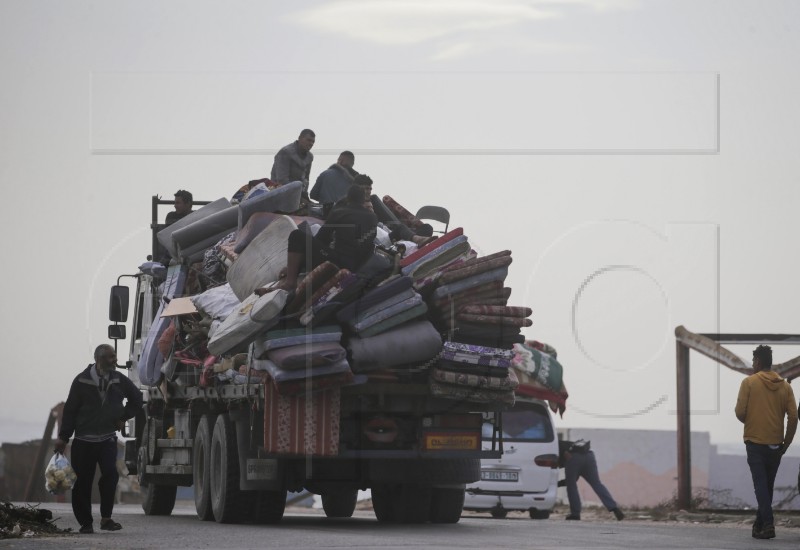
(451, 442)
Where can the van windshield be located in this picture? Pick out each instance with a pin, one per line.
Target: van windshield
(526, 422)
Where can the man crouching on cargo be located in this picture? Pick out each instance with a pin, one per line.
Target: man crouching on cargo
(94, 412)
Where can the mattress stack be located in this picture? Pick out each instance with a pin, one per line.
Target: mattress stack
(472, 373)
(302, 360)
(409, 345)
(426, 264)
(390, 304)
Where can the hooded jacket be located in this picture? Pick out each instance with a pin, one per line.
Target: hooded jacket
(764, 399)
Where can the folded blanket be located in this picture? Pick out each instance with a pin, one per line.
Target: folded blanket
(483, 351)
(471, 282)
(279, 374)
(426, 282)
(474, 395)
(305, 355)
(342, 293)
(294, 337)
(390, 287)
(409, 343)
(494, 320)
(420, 252)
(438, 257)
(469, 368)
(505, 311)
(313, 280)
(363, 322)
(506, 342)
(402, 214)
(475, 359)
(475, 295)
(481, 330)
(542, 367)
(395, 320)
(390, 301)
(471, 269)
(508, 382)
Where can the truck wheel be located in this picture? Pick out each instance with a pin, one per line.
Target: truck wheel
(340, 504)
(403, 503)
(201, 460)
(539, 514)
(382, 503)
(269, 506)
(157, 500)
(224, 475)
(446, 504)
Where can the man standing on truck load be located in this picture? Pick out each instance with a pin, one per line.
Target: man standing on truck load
(764, 399)
(183, 207)
(579, 461)
(293, 162)
(94, 413)
(351, 229)
(333, 183)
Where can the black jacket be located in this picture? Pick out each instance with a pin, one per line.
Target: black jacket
(85, 413)
(352, 231)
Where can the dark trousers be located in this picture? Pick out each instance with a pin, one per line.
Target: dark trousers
(584, 465)
(764, 463)
(85, 458)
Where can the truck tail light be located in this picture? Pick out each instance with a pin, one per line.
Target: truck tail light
(547, 461)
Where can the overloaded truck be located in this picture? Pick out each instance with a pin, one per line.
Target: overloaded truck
(241, 437)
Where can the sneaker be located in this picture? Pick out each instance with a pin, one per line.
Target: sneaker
(573, 517)
(109, 525)
(618, 514)
(756, 531)
(768, 532)
(86, 529)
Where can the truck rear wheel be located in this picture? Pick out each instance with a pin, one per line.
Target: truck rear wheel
(201, 471)
(340, 504)
(224, 476)
(446, 504)
(269, 506)
(402, 503)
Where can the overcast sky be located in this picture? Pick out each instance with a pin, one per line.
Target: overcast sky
(639, 159)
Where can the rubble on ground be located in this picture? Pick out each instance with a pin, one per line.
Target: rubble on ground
(27, 521)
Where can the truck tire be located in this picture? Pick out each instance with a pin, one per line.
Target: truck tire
(158, 500)
(201, 471)
(224, 476)
(402, 503)
(446, 504)
(340, 504)
(269, 506)
(382, 503)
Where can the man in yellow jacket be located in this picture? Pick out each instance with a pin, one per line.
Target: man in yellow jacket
(764, 399)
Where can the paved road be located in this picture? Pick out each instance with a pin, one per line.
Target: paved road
(302, 529)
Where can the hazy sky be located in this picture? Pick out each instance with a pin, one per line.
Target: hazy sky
(639, 159)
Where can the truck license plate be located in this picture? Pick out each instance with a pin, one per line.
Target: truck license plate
(492, 475)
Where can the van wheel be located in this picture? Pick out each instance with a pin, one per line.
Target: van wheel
(539, 514)
(340, 504)
(201, 472)
(446, 505)
(498, 513)
(224, 475)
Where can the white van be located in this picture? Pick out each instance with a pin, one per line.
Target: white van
(526, 476)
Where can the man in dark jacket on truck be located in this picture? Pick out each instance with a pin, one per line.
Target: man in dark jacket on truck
(94, 413)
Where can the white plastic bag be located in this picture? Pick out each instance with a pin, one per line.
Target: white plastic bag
(59, 475)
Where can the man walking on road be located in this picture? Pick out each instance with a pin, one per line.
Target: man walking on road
(94, 412)
(764, 399)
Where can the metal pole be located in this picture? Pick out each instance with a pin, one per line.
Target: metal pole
(684, 429)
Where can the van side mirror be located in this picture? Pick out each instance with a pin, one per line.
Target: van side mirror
(116, 332)
(118, 304)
